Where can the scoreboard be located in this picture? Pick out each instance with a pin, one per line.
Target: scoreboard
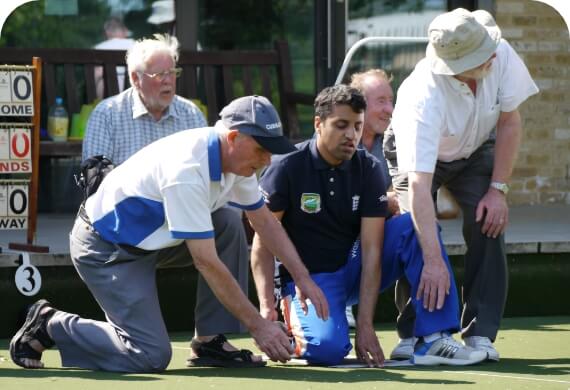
(16, 99)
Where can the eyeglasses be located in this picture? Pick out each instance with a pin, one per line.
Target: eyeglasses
(176, 72)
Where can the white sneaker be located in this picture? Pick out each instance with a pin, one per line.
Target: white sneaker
(404, 350)
(350, 317)
(445, 350)
(482, 344)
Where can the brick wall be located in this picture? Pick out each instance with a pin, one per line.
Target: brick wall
(540, 36)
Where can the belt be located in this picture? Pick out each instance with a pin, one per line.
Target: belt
(83, 214)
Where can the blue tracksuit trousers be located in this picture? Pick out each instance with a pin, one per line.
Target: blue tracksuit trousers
(327, 342)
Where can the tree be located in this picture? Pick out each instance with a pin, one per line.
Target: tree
(29, 27)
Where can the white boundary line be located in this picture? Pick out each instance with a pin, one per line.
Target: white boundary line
(524, 378)
(184, 348)
(388, 363)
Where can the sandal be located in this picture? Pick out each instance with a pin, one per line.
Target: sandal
(213, 354)
(35, 328)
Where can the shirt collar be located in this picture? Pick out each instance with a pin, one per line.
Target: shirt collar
(214, 156)
(458, 85)
(320, 163)
(139, 109)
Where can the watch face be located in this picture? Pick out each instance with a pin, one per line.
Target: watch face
(503, 187)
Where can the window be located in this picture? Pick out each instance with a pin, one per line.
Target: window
(390, 18)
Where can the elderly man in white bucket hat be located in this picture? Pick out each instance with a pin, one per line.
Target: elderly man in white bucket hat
(456, 123)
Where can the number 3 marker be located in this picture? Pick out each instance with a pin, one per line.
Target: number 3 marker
(28, 278)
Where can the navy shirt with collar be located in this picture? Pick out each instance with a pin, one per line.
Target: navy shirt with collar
(323, 204)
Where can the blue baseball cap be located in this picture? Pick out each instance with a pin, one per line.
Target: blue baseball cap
(257, 117)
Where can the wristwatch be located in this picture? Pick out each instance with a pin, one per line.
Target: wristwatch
(503, 187)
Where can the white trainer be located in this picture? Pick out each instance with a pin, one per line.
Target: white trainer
(445, 350)
(350, 317)
(482, 344)
(404, 350)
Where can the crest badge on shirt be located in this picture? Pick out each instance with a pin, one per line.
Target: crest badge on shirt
(310, 202)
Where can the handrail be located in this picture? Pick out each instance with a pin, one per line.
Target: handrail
(364, 41)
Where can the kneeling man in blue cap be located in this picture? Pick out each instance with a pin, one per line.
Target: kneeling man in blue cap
(155, 210)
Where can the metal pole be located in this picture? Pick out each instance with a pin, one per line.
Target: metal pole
(364, 41)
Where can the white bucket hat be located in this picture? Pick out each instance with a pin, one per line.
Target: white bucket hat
(162, 12)
(461, 40)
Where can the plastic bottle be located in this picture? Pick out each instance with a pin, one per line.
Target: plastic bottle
(58, 121)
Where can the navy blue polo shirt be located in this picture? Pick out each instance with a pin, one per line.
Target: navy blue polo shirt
(323, 204)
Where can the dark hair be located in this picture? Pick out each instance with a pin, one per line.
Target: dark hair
(336, 95)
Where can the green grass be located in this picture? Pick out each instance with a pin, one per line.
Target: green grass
(535, 354)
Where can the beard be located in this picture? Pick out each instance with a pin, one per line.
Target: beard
(482, 73)
(479, 73)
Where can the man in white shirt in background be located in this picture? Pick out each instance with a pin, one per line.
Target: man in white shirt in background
(117, 36)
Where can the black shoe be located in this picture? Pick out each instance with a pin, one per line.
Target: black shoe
(34, 328)
(213, 354)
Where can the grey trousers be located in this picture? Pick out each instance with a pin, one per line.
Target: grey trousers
(486, 276)
(134, 337)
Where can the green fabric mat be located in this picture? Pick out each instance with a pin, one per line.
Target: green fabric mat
(535, 354)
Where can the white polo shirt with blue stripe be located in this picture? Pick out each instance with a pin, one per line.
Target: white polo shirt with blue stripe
(166, 192)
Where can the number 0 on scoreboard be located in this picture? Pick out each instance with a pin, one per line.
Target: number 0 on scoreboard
(13, 206)
(16, 93)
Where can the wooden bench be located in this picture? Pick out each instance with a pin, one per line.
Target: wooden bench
(213, 77)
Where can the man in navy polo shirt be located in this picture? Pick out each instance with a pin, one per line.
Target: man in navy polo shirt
(331, 200)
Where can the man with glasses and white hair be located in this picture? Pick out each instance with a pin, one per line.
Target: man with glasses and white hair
(123, 124)
(456, 123)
